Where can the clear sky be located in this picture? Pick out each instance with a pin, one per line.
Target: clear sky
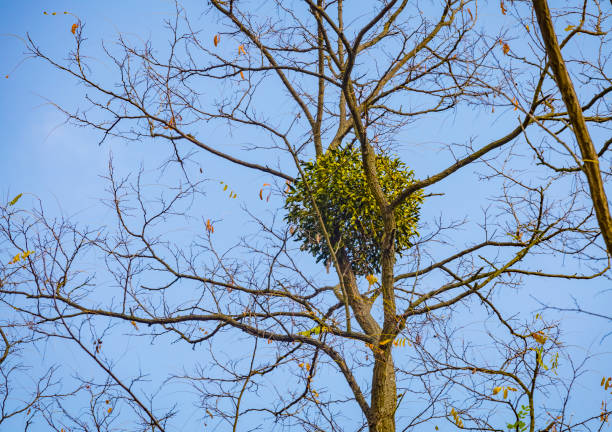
(62, 165)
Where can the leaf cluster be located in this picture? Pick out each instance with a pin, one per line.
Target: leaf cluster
(520, 425)
(348, 208)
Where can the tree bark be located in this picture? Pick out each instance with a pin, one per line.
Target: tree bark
(384, 393)
(359, 304)
(568, 93)
(383, 402)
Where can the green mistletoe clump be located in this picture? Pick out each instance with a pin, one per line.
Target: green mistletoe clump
(349, 210)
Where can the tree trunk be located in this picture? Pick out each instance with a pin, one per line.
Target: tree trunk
(384, 393)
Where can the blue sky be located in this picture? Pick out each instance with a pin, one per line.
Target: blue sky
(62, 165)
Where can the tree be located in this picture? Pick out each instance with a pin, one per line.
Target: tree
(358, 81)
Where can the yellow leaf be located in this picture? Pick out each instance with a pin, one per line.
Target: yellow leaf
(569, 27)
(241, 49)
(241, 74)
(15, 259)
(515, 103)
(371, 279)
(74, 28)
(539, 337)
(110, 410)
(134, 324)
(216, 40)
(224, 188)
(106, 401)
(209, 226)
(386, 341)
(603, 381)
(400, 342)
(505, 392)
(503, 8)
(14, 200)
(496, 390)
(527, 28)
(506, 48)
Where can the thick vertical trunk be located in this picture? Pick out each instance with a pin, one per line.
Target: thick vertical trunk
(384, 394)
(384, 391)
